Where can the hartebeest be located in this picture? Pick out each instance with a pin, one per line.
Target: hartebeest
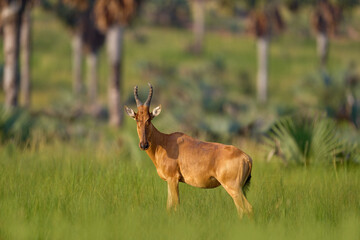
(181, 158)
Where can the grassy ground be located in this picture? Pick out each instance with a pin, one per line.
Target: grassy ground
(61, 191)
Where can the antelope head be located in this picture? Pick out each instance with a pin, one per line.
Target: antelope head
(143, 117)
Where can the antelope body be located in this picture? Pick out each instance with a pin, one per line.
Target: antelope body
(181, 158)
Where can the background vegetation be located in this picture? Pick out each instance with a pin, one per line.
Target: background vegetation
(66, 174)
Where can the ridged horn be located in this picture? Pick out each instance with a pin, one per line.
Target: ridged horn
(148, 100)
(138, 102)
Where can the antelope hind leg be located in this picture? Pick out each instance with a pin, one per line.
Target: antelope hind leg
(249, 208)
(241, 203)
(240, 200)
(173, 195)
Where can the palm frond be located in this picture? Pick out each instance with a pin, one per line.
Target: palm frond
(305, 140)
(326, 145)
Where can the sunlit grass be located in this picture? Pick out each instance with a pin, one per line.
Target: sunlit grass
(71, 191)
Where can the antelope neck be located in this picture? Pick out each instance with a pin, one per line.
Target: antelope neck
(156, 139)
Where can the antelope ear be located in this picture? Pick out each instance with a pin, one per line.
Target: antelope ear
(130, 112)
(156, 111)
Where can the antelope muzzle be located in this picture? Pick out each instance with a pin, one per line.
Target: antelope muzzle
(144, 145)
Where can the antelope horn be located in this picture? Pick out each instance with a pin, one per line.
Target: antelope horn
(138, 102)
(148, 100)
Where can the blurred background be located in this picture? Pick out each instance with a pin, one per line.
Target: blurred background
(281, 76)
(279, 79)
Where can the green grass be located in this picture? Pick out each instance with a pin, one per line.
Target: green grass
(71, 191)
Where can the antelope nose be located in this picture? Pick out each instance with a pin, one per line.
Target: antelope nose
(144, 146)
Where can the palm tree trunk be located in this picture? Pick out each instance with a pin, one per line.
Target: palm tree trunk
(92, 61)
(77, 45)
(198, 11)
(25, 84)
(322, 48)
(11, 27)
(114, 40)
(262, 76)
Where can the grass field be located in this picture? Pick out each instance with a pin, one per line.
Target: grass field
(62, 191)
(97, 184)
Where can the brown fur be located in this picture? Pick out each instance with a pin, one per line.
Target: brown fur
(181, 158)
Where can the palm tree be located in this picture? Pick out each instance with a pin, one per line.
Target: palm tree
(88, 38)
(326, 16)
(324, 21)
(79, 16)
(25, 45)
(91, 21)
(14, 14)
(265, 19)
(198, 27)
(112, 16)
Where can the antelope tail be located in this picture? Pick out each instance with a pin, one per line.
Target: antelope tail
(246, 185)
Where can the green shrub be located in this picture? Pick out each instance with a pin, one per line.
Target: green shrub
(305, 140)
(15, 124)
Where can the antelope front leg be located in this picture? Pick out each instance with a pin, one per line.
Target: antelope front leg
(173, 194)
